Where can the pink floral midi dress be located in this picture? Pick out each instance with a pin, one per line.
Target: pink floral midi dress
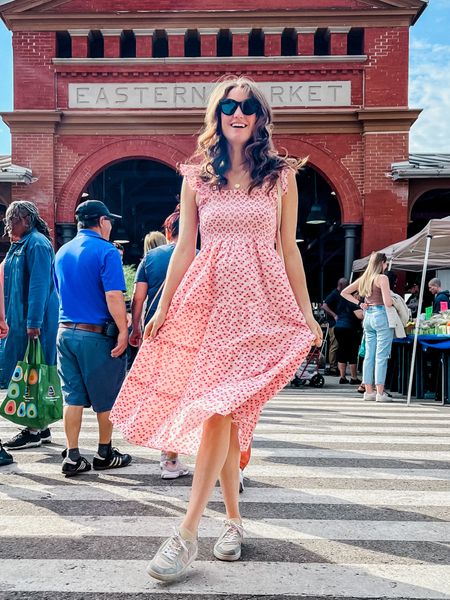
(233, 335)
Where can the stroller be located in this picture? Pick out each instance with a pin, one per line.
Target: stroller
(312, 368)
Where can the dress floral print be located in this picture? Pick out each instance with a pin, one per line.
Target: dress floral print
(233, 335)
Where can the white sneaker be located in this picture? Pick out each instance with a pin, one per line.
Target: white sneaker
(369, 396)
(172, 469)
(228, 546)
(173, 558)
(241, 481)
(383, 398)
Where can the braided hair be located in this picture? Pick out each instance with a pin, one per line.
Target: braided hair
(28, 210)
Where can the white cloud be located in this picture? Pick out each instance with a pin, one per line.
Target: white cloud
(429, 89)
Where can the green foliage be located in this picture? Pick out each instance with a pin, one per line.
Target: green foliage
(130, 273)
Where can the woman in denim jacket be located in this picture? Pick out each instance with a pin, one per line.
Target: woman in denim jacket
(373, 285)
(31, 302)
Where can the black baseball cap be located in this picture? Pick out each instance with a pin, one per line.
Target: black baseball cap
(93, 209)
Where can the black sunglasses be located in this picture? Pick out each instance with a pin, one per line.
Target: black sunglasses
(249, 106)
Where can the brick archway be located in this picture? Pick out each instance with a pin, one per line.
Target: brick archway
(334, 173)
(106, 155)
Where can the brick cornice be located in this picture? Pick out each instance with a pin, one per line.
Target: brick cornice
(394, 16)
(159, 122)
(382, 120)
(32, 121)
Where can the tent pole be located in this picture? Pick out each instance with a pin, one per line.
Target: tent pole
(419, 309)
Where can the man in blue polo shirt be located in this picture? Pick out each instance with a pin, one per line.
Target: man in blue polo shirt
(93, 334)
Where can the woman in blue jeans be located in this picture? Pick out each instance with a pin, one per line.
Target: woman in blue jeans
(373, 286)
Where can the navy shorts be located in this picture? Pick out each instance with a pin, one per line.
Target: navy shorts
(89, 375)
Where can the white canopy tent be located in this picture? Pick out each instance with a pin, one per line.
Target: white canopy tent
(409, 255)
(428, 249)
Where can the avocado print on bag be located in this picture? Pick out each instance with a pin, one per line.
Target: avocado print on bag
(34, 396)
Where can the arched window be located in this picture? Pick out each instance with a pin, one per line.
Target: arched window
(192, 46)
(322, 42)
(256, 43)
(224, 43)
(160, 44)
(63, 44)
(355, 41)
(127, 44)
(96, 48)
(289, 42)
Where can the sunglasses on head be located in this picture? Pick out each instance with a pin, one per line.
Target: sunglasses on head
(248, 107)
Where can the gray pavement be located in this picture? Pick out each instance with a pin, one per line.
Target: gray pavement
(344, 499)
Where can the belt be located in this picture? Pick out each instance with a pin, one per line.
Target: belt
(84, 327)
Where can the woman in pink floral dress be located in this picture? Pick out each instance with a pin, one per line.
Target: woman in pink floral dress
(233, 322)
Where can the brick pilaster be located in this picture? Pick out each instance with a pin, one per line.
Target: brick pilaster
(305, 41)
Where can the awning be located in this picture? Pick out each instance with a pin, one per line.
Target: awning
(10, 173)
(409, 254)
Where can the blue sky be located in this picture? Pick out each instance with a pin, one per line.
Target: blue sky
(429, 80)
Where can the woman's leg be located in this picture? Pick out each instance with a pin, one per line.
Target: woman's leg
(385, 335)
(229, 476)
(211, 458)
(369, 358)
(340, 334)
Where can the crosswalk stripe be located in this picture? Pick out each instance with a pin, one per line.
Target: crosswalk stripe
(213, 577)
(277, 529)
(275, 472)
(344, 499)
(365, 454)
(178, 494)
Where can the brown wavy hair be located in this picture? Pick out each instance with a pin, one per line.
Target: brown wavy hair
(263, 161)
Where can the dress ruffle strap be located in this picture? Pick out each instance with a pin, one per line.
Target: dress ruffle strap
(191, 172)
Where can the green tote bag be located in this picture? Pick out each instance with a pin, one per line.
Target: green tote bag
(34, 397)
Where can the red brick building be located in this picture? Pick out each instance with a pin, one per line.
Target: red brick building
(108, 97)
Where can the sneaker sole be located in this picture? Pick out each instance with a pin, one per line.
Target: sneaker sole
(227, 557)
(169, 577)
(384, 401)
(76, 473)
(46, 440)
(29, 445)
(111, 467)
(169, 475)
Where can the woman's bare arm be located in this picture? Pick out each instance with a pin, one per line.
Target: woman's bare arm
(292, 257)
(348, 292)
(182, 257)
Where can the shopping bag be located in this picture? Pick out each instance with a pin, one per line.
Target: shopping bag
(34, 397)
(362, 348)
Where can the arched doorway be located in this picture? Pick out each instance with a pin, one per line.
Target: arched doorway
(143, 191)
(320, 235)
(432, 204)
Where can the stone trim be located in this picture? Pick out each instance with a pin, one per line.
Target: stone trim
(143, 32)
(273, 30)
(339, 29)
(111, 32)
(78, 32)
(209, 30)
(133, 122)
(176, 30)
(182, 60)
(240, 30)
(379, 17)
